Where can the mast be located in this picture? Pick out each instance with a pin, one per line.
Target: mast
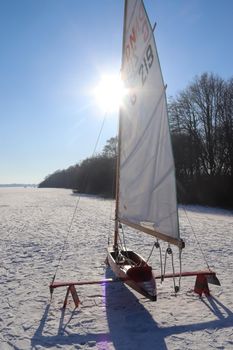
(119, 141)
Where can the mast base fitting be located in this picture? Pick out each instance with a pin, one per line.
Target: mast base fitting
(182, 244)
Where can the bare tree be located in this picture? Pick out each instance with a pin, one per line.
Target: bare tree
(201, 120)
(110, 149)
(227, 127)
(199, 111)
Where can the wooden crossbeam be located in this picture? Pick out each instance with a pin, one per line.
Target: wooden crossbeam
(188, 274)
(203, 277)
(81, 283)
(114, 280)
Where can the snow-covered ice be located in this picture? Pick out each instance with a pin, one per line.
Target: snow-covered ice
(33, 226)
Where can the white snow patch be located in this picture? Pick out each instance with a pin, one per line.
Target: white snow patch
(33, 226)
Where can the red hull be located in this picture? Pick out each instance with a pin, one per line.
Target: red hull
(135, 272)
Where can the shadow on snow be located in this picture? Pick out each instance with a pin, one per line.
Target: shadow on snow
(131, 326)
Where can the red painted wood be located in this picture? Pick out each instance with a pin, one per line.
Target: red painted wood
(81, 283)
(188, 273)
(113, 280)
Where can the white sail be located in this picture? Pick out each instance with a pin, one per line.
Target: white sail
(147, 191)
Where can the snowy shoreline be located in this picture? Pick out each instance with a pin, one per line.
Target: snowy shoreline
(34, 223)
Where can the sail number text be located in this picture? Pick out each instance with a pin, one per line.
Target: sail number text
(146, 64)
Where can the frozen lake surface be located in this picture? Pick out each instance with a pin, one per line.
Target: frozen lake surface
(34, 224)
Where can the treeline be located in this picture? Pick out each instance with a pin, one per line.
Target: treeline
(95, 175)
(201, 119)
(201, 122)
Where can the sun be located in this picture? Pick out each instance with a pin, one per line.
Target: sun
(109, 93)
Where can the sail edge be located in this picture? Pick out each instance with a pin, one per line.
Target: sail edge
(178, 242)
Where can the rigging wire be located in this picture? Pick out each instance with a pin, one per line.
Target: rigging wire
(161, 261)
(180, 264)
(66, 237)
(176, 288)
(157, 245)
(77, 203)
(198, 243)
(100, 132)
(163, 268)
(153, 247)
(165, 263)
(123, 235)
(170, 252)
(123, 244)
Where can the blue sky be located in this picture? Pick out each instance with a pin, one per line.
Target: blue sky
(53, 52)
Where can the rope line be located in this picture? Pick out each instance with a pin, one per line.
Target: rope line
(173, 270)
(169, 251)
(100, 132)
(66, 237)
(198, 243)
(123, 235)
(165, 263)
(77, 203)
(180, 263)
(161, 262)
(157, 245)
(121, 244)
(153, 247)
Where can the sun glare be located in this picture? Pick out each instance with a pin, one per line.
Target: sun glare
(109, 93)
